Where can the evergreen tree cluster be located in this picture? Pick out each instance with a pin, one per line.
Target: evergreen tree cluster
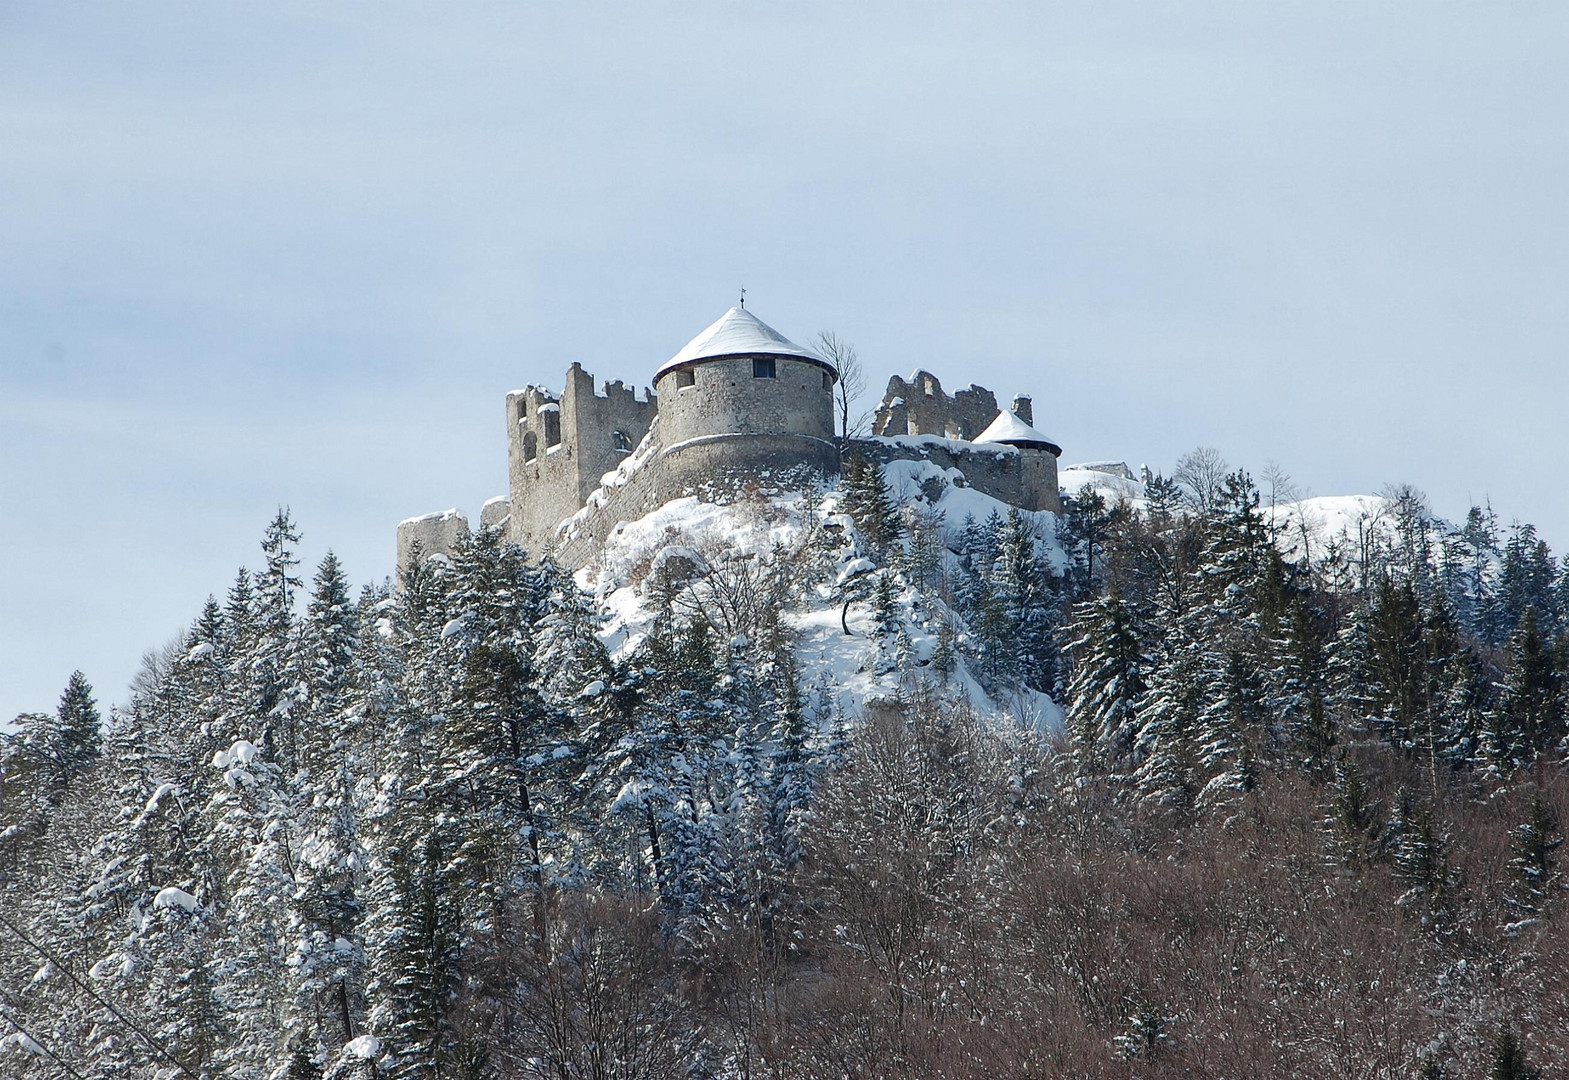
(325, 820)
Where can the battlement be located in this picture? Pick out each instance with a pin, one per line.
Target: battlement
(559, 447)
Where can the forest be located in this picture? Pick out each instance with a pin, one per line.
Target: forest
(1302, 818)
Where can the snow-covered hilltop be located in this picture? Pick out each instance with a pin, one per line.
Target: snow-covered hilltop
(739, 405)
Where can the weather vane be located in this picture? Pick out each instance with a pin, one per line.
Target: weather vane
(743, 296)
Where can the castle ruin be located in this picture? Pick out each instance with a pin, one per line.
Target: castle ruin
(740, 403)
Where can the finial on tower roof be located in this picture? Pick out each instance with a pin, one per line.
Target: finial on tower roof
(743, 296)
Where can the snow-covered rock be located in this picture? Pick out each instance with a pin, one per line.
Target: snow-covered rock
(1076, 480)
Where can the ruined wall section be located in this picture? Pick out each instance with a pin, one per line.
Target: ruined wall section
(602, 429)
(433, 534)
(542, 475)
(559, 448)
(920, 406)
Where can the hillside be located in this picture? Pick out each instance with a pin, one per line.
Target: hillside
(878, 778)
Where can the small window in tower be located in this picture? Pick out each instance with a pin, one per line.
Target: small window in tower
(530, 446)
(686, 377)
(621, 442)
(552, 421)
(763, 367)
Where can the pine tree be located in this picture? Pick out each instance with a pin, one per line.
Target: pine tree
(328, 958)
(1508, 1057)
(1168, 771)
(1087, 520)
(80, 736)
(275, 590)
(869, 505)
(1349, 664)
(1534, 842)
(1108, 685)
(1354, 818)
(1023, 587)
(1224, 735)
(570, 656)
(1419, 851)
(886, 620)
(1298, 689)
(1531, 707)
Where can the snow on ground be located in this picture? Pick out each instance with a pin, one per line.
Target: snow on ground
(1309, 525)
(1075, 480)
(23, 1043)
(704, 533)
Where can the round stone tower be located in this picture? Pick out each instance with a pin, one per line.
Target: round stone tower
(741, 398)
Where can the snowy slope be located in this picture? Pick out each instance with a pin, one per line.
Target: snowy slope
(852, 663)
(1308, 526)
(1075, 481)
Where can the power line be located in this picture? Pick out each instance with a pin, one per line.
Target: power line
(5, 1014)
(88, 990)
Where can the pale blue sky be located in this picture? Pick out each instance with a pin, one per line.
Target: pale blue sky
(254, 254)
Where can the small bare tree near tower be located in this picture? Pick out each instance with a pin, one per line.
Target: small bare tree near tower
(850, 383)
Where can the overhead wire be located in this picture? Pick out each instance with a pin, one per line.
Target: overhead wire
(61, 967)
(5, 1014)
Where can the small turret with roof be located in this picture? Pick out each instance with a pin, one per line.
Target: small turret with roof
(1010, 429)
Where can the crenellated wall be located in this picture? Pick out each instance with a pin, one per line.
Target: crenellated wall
(559, 448)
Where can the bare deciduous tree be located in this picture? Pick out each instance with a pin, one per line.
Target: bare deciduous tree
(1279, 485)
(1200, 473)
(851, 381)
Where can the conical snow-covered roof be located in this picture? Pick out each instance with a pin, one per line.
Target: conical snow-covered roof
(1011, 430)
(739, 333)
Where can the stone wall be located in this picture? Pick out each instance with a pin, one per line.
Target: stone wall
(542, 478)
(725, 398)
(558, 449)
(436, 534)
(920, 406)
(582, 537)
(495, 512)
(713, 468)
(603, 428)
(1023, 478)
